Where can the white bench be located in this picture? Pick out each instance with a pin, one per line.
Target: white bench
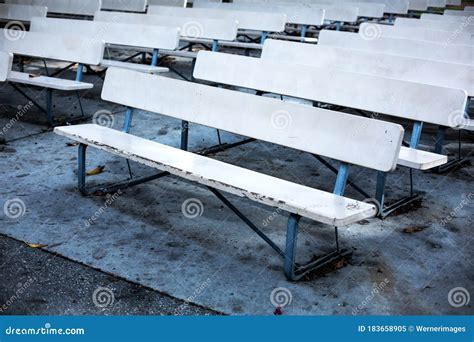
(56, 47)
(21, 12)
(420, 103)
(450, 75)
(373, 31)
(453, 2)
(6, 60)
(126, 6)
(155, 38)
(435, 25)
(222, 109)
(461, 54)
(71, 7)
(255, 21)
(213, 29)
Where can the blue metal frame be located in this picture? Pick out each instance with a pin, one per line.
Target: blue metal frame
(303, 32)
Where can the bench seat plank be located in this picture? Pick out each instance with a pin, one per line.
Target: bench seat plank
(48, 82)
(420, 160)
(149, 69)
(298, 199)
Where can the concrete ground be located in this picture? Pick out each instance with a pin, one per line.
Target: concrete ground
(405, 265)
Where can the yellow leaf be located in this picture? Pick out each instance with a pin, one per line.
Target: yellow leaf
(96, 171)
(36, 245)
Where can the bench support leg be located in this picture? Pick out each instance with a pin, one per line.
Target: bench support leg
(294, 271)
(81, 169)
(385, 211)
(453, 164)
(49, 106)
(184, 135)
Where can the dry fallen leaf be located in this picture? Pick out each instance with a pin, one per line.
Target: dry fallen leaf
(414, 229)
(36, 245)
(96, 171)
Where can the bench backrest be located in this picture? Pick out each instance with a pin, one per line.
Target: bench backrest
(21, 12)
(53, 46)
(176, 3)
(74, 7)
(462, 54)
(446, 18)
(374, 31)
(418, 5)
(295, 14)
(437, 3)
(391, 6)
(145, 36)
(414, 101)
(451, 75)
(466, 27)
(454, 2)
(458, 13)
(128, 5)
(190, 27)
(257, 21)
(6, 60)
(331, 134)
(333, 12)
